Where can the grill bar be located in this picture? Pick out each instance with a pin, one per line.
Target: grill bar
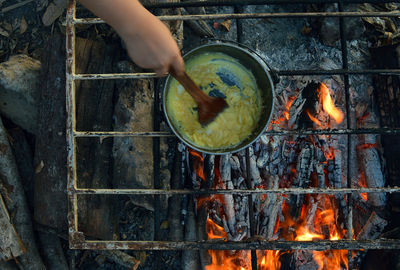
(243, 245)
(77, 239)
(279, 72)
(345, 65)
(91, 191)
(255, 16)
(252, 2)
(388, 131)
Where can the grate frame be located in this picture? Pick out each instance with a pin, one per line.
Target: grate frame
(77, 239)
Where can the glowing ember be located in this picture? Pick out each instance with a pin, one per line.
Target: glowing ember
(328, 104)
(317, 219)
(315, 120)
(366, 146)
(363, 183)
(198, 163)
(282, 119)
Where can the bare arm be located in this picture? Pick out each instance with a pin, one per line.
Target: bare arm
(148, 40)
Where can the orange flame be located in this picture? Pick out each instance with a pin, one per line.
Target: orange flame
(366, 146)
(287, 107)
(315, 120)
(328, 104)
(198, 164)
(214, 231)
(269, 260)
(363, 183)
(324, 218)
(285, 115)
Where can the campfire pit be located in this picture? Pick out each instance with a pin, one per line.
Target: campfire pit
(289, 199)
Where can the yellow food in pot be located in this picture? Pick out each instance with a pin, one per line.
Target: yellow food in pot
(220, 75)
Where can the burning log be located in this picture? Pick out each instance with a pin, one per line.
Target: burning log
(371, 166)
(209, 162)
(225, 170)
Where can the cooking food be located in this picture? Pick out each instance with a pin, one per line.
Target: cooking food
(219, 75)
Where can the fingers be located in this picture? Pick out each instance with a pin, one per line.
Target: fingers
(175, 65)
(161, 72)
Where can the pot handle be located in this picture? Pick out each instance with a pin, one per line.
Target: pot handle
(274, 73)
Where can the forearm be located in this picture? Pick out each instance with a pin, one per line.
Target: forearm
(123, 15)
(148, 41)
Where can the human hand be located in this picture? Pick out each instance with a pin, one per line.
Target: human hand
(151, 45)
(148, 41)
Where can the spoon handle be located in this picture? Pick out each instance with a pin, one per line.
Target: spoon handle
(191, 87)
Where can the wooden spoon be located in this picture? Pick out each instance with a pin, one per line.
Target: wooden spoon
(208, 107)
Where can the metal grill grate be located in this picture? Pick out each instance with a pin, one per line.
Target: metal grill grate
(77, 238)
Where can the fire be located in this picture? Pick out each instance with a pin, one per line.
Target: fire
(287, 107)
(323, 223)
(366, 146)
(315, 120)
(363, 183)
(285, 115)
(328, 104)
(198, 163)
(214, 231)
(269, 260)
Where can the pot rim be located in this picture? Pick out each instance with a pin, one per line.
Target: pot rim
(264, 65)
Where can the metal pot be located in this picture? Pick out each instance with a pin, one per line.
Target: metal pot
(261, 72)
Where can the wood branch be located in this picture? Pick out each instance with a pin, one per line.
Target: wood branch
(175, 202)
(24, 157)
(229, 203)
(14, 6)
(209, 169)
(201, 220)
(371, 166)
(200, 27)
(16, 203)
(190, 258)
(94, 111)
(10, 243)
(50, 149)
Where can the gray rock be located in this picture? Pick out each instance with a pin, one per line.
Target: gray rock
(19, 83)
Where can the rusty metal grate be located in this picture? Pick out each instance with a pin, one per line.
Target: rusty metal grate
(77, 239)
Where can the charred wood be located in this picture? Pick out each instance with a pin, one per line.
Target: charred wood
(52, 251)
(17, 205)
(175, 202)
(190, 258)
(50, 147)
(372, 228)
(10, 243)
(94, 111)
